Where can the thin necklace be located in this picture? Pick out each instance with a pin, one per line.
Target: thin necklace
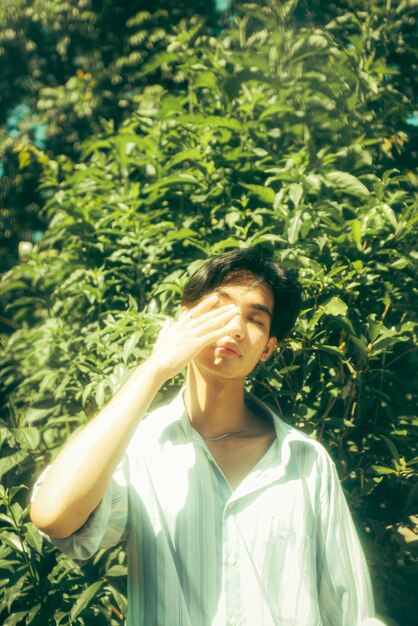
(239, 432)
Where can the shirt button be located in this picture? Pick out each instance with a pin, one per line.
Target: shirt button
(233, 621)
(232, 559)
(230, 505)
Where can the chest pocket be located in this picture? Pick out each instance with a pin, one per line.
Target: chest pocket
(278, 538)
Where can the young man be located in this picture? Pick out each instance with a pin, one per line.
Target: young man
(232, 516)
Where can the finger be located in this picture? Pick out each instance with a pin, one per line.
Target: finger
(213, 335)
(202, 308)
(167, 324)
(213, 314)
(205, 305)
(212, 320)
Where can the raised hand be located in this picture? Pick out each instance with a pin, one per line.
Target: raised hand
(180, 341)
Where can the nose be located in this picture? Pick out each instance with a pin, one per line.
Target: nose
(237, 327)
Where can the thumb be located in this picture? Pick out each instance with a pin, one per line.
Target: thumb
(167, 324)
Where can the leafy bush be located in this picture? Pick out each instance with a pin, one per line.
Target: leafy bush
(49, 587)
(279, 139)
(66, 64)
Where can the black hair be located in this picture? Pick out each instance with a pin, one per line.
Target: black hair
(253, 266)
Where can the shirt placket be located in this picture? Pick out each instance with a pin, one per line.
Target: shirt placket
(230, 563)
(231, 608)
(231, 583)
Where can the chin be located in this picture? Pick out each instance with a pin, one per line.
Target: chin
(222, 367)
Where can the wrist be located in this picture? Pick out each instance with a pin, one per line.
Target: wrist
(154, 371)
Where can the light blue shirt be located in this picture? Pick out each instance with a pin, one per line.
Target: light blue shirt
(280, 550)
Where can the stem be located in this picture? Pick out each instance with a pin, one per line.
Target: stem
(9, 323)
(382, 371)
(33, 574)
(324, 415)
(190, 96)
(400, 356)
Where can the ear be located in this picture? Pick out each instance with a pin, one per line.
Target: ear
(269, 348)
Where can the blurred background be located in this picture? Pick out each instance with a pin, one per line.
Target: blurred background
(138, 138)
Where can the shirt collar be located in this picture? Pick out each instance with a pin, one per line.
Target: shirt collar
(286, 434)
(272, 468)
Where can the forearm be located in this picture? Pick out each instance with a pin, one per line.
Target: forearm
(81, 473)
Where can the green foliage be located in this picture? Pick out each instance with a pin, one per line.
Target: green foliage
(271, 134)
(41, 586)
(66, 65)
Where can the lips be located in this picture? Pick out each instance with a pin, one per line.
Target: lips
(229, 349)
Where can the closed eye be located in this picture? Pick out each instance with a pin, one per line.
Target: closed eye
(256, 321)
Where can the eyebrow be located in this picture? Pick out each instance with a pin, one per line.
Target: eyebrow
(257, 307)
(262, 309)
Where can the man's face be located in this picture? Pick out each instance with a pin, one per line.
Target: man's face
(237, 354)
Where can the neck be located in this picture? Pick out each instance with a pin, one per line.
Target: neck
(215, 405)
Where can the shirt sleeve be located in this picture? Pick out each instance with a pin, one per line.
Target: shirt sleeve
(106, 525)
(345, 591)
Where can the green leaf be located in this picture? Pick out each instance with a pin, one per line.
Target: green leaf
(333, 349)
(16, 511)
(374, 326)
(294, 227)
(185, 155)
(392, 448)
(33, 613)
(100, 393)
(356, 232)
(7, 519)
(406, 5)
(381, 469)
(85, 598)
(361, 346)
(28, 437)
(309, 46)
(206, 79)
(116, 570)
(221, 246)
(370, 485)
(343, 181)
(12, 540)
(295, 193)
(156, 62)
(121, 601)
(275, 109)
(7, 463)
(33, 537)
(39, 411)
(181, 234)
(211, 121)
(400, 263)
(265, 194)
(174, 180)
(130, 345)
(389, 214)
(335, 306)
(9, 286)
(15, 618)
(389, 338)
